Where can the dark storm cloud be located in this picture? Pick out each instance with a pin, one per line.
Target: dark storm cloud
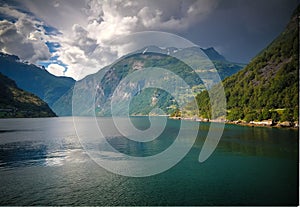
(240, 29)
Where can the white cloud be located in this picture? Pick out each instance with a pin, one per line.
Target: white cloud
(88, 29)
(82, 40)
(94, 43)
(56, 69)
(24, 37)
(149, 17)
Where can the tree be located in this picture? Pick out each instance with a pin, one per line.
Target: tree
(266, 114)
(235, 114)
(296, 114)
(251, 116)
(275, 116)
(287, 115)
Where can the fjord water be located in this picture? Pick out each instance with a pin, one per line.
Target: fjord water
(43, 163)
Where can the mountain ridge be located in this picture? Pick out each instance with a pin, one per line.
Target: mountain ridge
(34, 79)
(57, 91)
(150, 56)
(15, 102)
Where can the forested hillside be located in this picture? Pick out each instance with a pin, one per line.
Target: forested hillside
(268, 87)
(15, 102)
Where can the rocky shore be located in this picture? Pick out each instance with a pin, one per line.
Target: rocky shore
(267, 123)
(263, 123)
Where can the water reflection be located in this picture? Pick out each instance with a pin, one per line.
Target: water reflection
(254, 141)
(249, 167)
(139, 149)
(31, 146)
(17, 154)
(31, 153)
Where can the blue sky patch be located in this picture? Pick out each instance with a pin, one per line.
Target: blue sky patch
(53, 46)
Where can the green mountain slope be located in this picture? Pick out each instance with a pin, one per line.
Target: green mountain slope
(34, 79)
(103, 84)
(268, 87)
(143, 101)
(15, 102)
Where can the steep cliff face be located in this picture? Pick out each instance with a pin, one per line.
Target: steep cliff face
(15, 102)
(103, 84)
(268, 87)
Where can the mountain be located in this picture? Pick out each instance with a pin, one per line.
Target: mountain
(268, 87)
(34, 79)
(224, 67)
(94, 93)
(213, 54)
(15, 102)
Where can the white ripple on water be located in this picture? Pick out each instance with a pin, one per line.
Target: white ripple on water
(60, 158)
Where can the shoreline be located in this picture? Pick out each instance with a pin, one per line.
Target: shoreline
(267, 126)
(280, 125)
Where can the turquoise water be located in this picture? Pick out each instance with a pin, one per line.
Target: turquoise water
(43, 163)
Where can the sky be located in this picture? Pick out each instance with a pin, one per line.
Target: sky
(75, 38)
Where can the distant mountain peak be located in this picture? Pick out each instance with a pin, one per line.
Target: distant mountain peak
(10, 57)
(213, 54)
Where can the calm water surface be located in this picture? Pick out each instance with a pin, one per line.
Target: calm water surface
(43, 163)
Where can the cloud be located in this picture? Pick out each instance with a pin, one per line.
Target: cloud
(144, 15)
(80, 53)
(91, 46)
(25, 37)
(59, 14)
(56, 69)
(83, 41)
(87, 32)
(175, 15)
